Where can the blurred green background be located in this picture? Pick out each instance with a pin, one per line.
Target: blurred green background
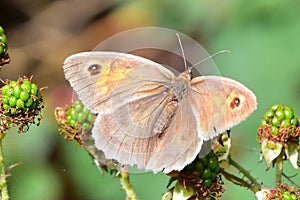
(263, 37)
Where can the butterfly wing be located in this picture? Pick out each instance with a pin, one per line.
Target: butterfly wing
(221, 104)
(215, 104)
(97, 77)
(138, 121)
(173, 149)
(132, 97)
(183, 143)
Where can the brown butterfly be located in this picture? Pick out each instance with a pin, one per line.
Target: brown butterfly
(149, 117)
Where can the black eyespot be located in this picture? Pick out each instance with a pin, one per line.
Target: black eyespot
(235, 102)
(94, 69)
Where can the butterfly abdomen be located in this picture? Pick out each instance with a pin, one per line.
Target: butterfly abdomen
(164, 119)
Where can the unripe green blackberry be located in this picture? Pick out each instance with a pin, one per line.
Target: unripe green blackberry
(4, 57)
(1, 30)
(202, 175)
(288, 196)
(211, 168)
(18, 106)
(279, 134)
(284, 192)
(74, 121)
(79, 115)
(3, 43)
(202, 178)
(279, 117)
(205, 168)
(20, 96)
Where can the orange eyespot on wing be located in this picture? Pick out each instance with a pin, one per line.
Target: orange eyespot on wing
(235, 99)
(235, 102)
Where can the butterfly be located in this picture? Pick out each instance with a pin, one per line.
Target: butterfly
(149, 117)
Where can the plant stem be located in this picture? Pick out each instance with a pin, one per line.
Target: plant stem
(126, 185)
(290, 180)
(3, 183)
(279, 169)
(255, 184)
(238, 181)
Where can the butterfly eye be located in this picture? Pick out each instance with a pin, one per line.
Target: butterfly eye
(235, 102)
(94, 69)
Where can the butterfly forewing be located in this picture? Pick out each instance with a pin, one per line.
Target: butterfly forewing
(98, 76)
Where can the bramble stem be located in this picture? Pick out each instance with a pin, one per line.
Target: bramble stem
(255, 185)
(126, 185)
(279, 169)
(3, 183)
(238, 181)
(290, 180)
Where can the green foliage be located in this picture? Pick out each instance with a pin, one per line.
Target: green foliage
(263, 37)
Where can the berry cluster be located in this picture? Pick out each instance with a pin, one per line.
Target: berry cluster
(284, 192)
(74, 122)
(3, 43)
(279, 135)
(20, 97)
(278, 117)
(20, 104)
(79, 115)
(206, 168)
(288, 196)
(199, 180)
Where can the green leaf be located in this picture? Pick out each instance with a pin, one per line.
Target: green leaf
(181, 193)
(167, 196)
(171, 180)
(292, 152)
(222, 150)
(270, 151)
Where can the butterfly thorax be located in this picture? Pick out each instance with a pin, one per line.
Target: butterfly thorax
(180, 86)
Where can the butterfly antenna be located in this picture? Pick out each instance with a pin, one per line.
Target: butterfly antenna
(205, 59)
(181, 47)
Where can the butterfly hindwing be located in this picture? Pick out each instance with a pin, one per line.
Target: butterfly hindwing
(221, 103)
(170, 150)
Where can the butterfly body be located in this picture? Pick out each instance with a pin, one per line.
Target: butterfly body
(149, 117)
